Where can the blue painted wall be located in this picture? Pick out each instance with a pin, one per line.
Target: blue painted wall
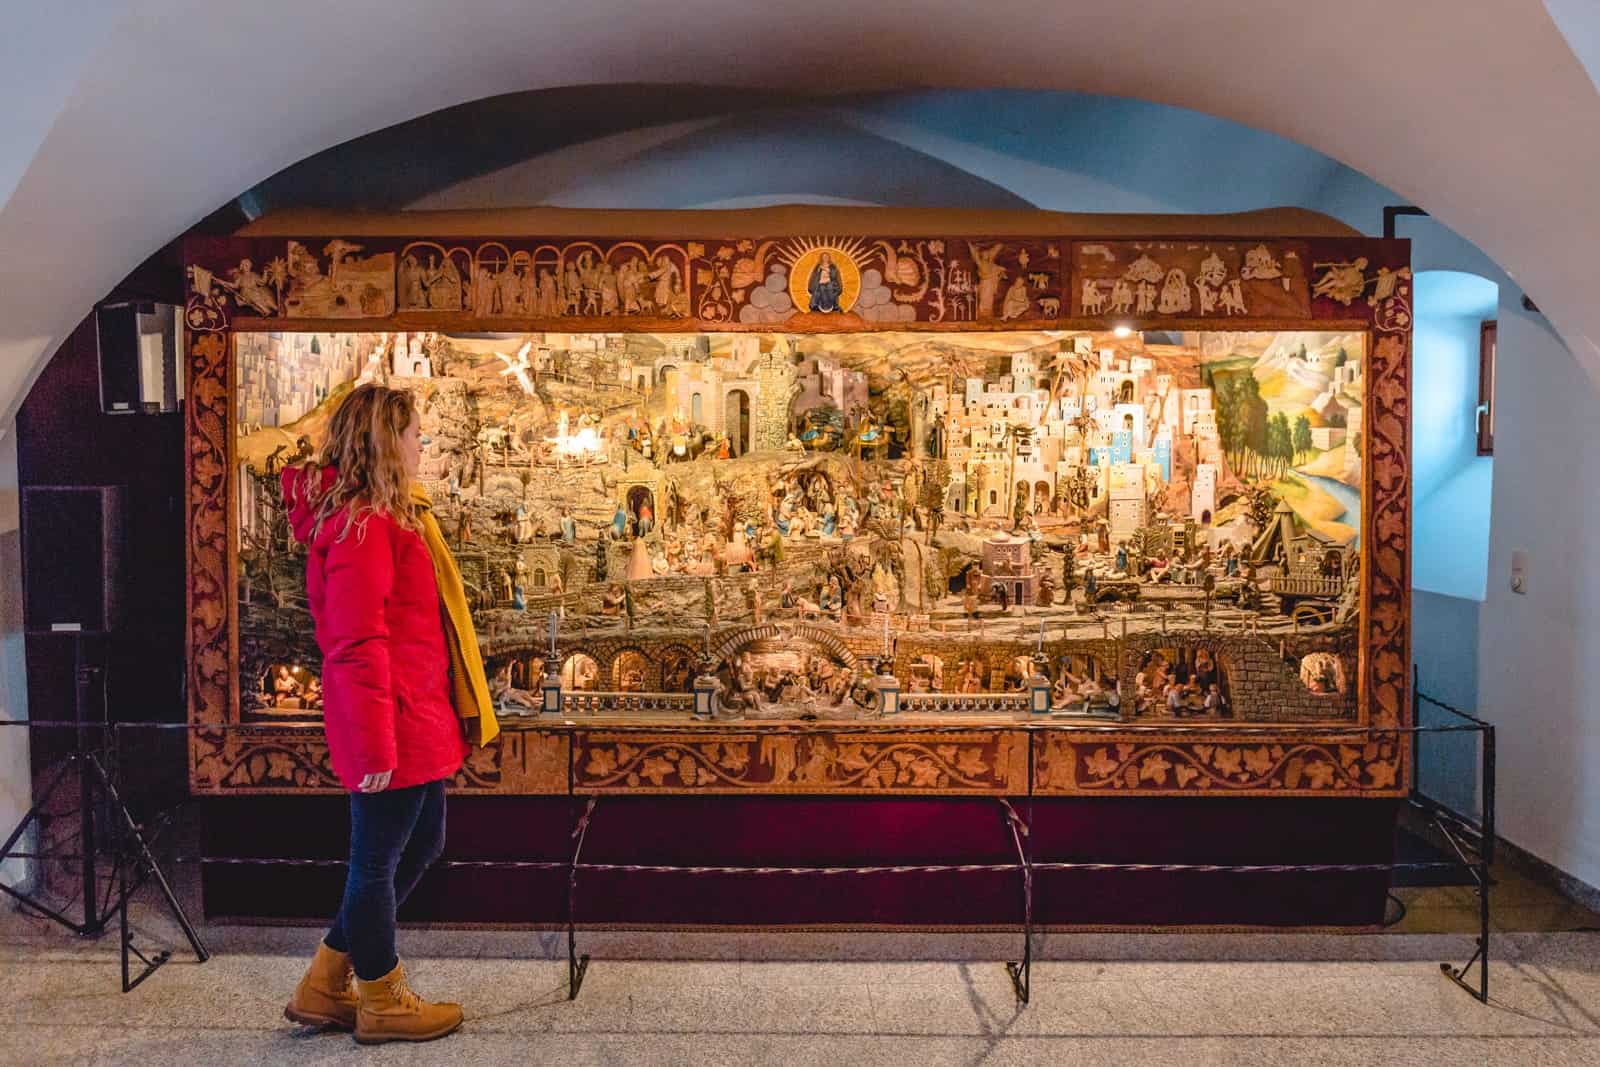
(1451, 483)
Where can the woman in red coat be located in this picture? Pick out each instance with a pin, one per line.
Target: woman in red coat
(394, 736)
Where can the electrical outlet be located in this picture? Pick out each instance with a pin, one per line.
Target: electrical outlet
(1519, 571)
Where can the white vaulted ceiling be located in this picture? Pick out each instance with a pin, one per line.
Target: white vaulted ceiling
(127, 122)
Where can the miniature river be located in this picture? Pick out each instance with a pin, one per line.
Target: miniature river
(1346, 496)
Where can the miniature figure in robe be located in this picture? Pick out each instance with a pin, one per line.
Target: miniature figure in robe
(825, 285)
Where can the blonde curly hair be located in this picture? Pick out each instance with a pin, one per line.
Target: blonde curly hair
(365, 451)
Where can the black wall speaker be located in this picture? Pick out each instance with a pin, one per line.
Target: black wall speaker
(139, 368)
(72, 559)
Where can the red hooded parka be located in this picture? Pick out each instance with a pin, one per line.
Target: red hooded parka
(385, 667)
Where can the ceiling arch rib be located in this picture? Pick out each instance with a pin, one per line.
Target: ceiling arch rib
(1481, 114)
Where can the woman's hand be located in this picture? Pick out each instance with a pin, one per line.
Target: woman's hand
(375, 783)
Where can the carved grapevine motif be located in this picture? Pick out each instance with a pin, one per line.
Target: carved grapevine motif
(1097, 765)
(210, 670)
(824, 762)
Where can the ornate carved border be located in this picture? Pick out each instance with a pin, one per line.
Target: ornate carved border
(785, 760)
(1346, 283)
(1251, 765)
(294, 759)
(212, 663)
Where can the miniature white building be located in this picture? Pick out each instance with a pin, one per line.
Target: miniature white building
(1120, 416)
(1129, 509)
(1194, 401)
(1326, 437)
(1203, 497)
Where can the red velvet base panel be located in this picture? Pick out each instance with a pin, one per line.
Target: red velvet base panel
(803, 831)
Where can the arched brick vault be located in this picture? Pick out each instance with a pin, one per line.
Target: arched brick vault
(828, 642)
(1261, 678)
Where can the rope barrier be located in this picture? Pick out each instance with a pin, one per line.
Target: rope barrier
(900, 868)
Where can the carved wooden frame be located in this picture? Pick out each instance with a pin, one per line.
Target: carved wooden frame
(1365, 285)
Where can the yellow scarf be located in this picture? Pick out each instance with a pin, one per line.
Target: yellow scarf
(469, 688)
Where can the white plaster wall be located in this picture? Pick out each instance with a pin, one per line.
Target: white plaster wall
(1539, 653)
(16, 789)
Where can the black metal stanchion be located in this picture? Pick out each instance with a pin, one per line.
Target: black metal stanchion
(131, 851)
(1022, 972)
(135, 850)
(1460, 832)
(136, 862)
(576, 965)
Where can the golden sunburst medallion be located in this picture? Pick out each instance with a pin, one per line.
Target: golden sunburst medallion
(824, 275)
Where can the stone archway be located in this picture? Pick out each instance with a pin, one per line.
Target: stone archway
(737, 416)
(640, 497)
(822, 639)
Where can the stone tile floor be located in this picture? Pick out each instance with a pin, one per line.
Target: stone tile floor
(793, 999)
(926, 999)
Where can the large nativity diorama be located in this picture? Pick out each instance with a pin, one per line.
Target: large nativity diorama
(1150, 527)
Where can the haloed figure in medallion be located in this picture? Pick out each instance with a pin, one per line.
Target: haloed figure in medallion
(403, 694)
(825, 286)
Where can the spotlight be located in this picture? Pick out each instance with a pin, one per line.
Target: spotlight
(1122, 331)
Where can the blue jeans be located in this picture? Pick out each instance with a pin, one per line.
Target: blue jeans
(395, 836)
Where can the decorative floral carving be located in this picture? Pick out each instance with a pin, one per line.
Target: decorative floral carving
(1065, 764)
(821, 761)
(207, 414)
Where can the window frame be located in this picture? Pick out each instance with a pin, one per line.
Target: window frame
(1488, 347)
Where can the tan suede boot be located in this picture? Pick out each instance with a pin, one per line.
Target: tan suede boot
(389, 1011)
(324, 996)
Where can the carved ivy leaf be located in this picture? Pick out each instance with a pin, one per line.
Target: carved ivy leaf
(602, 761)
(212, 663)
(925, 774)
(1155, 768)
(1123, 752)
(1227, 761)
(1382, 774)
(1348, 756)
(970, 763)
(1100, 765)
(1386, 616)
(657, 769)
(279, 765)
(1387, 665)
(208, 391)
(208, 770)
(208, 612)
(1319, 773)
(1390, 526)
(1258, 760)
(625, 753)
(1184, 774)
(711, 749)
(1203, 752)
(207, 471)
(735, 758)
(852, 758)
(1390, 392)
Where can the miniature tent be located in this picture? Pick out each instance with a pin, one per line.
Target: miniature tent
(1283, 529)
(1280, 531)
